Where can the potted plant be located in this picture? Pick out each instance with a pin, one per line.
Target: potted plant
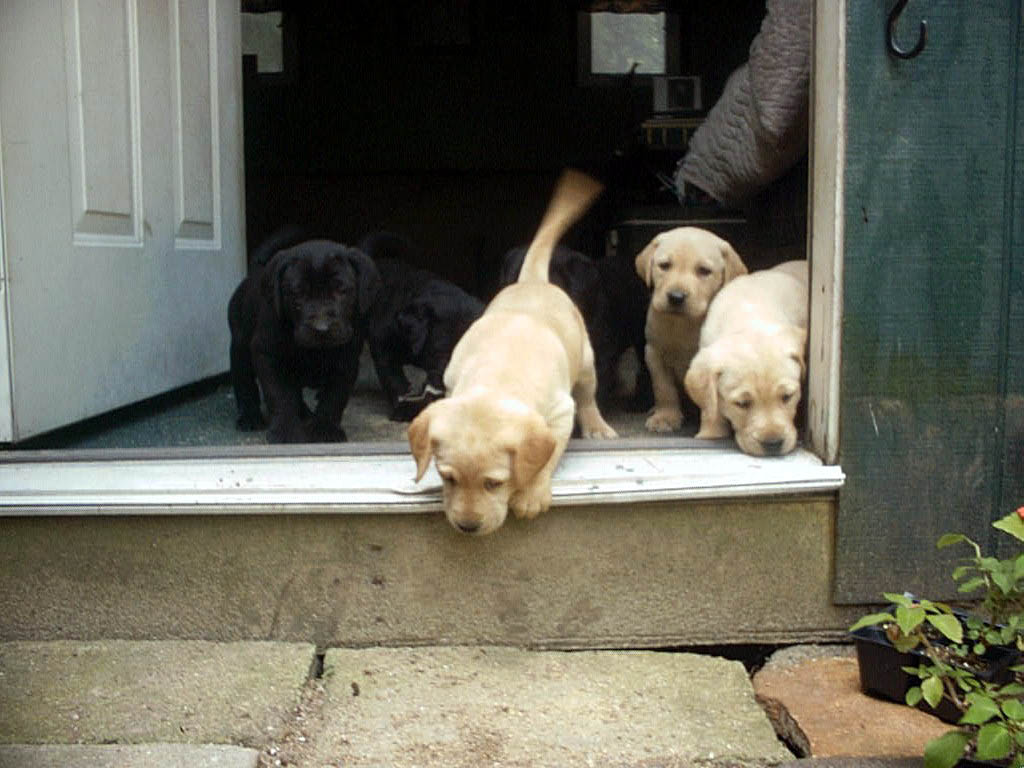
(961, 667)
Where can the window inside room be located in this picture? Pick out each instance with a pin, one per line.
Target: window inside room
(262, 37)
(621, 43)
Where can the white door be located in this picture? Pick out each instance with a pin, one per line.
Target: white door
(121, 201)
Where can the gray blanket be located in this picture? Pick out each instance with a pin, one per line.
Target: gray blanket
(757, 130)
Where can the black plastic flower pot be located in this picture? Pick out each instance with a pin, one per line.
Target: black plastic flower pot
(882, 674)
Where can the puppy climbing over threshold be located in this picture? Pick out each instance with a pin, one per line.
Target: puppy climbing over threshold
(516, 380)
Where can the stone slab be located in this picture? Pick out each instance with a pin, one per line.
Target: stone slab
(130, 692)
(127, 756)
(465, 707)
(813, 696)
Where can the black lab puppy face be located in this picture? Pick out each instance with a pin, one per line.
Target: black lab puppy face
(433, 323)
(320, 289)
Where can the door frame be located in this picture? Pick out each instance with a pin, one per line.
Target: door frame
(6, 397)
(191, 486)
(826, 232)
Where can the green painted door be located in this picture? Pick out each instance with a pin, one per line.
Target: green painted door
(932, 388)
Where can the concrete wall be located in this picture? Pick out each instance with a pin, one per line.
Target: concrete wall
(643, 576)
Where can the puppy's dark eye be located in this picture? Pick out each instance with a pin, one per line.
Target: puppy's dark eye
(743, 404)
(664, 265)
(787, 397)
(703, 271)
(491, 484)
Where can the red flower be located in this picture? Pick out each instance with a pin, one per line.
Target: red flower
(1020, 512)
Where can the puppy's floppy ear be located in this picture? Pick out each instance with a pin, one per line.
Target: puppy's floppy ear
(645, 261)
(368, 282)
(413, 324)
(701, 384)
(272, 277)
(796, 339)
(531, 448)
(420, 442)
(734, 266)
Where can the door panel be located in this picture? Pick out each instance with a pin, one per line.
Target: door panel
(121, 147)
(1013, 428)
(101, 62)
(196, 125)
(926, 338)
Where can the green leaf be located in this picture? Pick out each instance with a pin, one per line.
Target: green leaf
(1014, 709)
(913, 697)
(949, 539)
(993, 637)
(898, 599)
(905, 644)
(870, 620)
(1018, 568)
(971, 584)
(1011, 689)
(946, 750)
(948, 625)
(979, 649)
(931, 689)
(1012, 524)
(1003, 580)
(993, 742)
(988, 563)
(981, 711)
(909, 619)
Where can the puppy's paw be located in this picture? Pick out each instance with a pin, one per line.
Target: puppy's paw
(713, 433)
(289, 432)
(664, 420)
(250, 423)
(600, 431)
(408, 406)
(530, 502)
(592, 424)
(319, 432)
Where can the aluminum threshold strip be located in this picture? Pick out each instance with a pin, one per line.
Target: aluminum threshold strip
(383, 483)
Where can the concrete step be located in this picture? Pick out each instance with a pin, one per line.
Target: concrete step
(127, 756)
(124, 692)
(396, 707)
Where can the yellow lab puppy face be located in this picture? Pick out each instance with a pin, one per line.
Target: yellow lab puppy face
(485, 451)
(753, 382)
(685, 267)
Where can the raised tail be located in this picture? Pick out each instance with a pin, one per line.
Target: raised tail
(573, 195)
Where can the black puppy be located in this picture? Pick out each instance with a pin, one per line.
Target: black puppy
(417, 320)
(613, 301)
(299, 320)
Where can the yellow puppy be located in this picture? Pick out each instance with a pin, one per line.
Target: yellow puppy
(684, 268)
(748, 371)
(514, 381)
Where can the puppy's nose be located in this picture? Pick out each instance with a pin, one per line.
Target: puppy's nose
(676, 298)
(468, 527)
(772, 447)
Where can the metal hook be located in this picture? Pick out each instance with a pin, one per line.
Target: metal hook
(894, 49)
